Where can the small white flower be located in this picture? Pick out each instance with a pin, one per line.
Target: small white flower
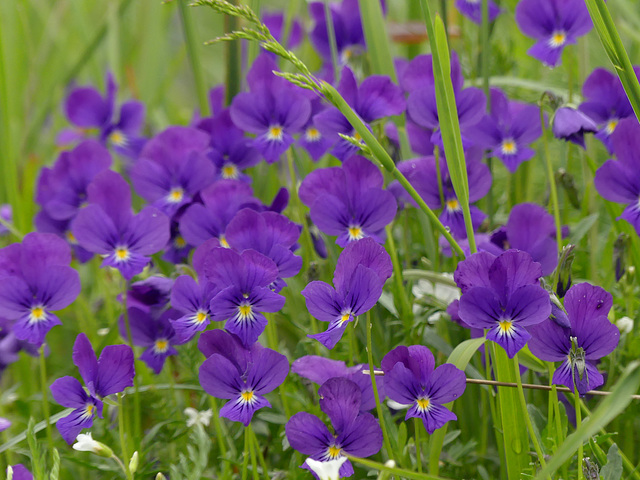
(442, 292)
(625, 324)
(85, 443)
(329, 470)
(195, 417)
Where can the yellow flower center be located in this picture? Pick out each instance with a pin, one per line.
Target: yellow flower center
(162, 345)
(117, 138)
(71, 238)
(275, 133)
(180, 242)
(505, 325)
(355, 232)
(423, 403)
(509, 147)
(357, 136)
(244, 310)
(223, 242)
(334, 452)
(37, 314)
(229, 170)
(558, 39)
(611, 126)
(201, 316)
(247, 396)
(88, 410)
(122, 254)
(453, 204)
(312, 134)
(176, 195)
(345, 317)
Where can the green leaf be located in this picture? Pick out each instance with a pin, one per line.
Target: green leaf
(610, 407)
(613, 469)
(530, 361)
(583, 226)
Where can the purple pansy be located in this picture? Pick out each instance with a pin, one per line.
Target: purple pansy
(231, 152)
(153, 332)
(173, 168)
(502, 294)
(410, 379)
(20, 472)
(589, 337)
(422, 173)
(532, 229)
(509, 130)
(110, 374)
(150, 295)
(244, 281)
(619, 180)
(554, 24)
(375, 98)
(311, 139)
(354, 433)
(86, 108)
(349, 201)
(571, 125)
(606, 102)
(418, 79)
(36, 280)
(270, 234)
(473, 10)
(241, 374)
(273, 109)
(319, 370)
(275, 22)
(61, 228)
(67, 182)
(220, 203)
(361, 271)
(107, 226)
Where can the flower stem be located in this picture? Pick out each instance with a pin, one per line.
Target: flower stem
(123, 442)
(45, 396)
(120, 464)
(405, 306)
(525, 410)
(385, 435)
(136, 384)
(417, 427)
(252, 453)
(263, 464)
(194, 57)
(331, 33)
(245, 457)
(576, 399)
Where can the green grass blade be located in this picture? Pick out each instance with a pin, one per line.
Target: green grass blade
(194, 57)
(610, 407)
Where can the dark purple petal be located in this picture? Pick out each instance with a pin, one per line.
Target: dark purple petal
(142, 326)
(433, 418)
(366, 252)
(268, 371)
(129, 267)
(512, 270)
(363, 290)
(319, 369)
(401, 385)
(71, 425)
(549, 341)
(340, 399)
(480, 307)
(84, 357)
(363, 437)
(511, 337)
(149, 231)
(584, 303)
(131, 117)
(68, 392)
(85, 107)
(333, 334)
(115, 370)
(241, 410)
(94, 230)
(528, 305)
(378, 97)
(323, 302)
(617, 183)
(15, 297)
(446, 384)
(57, 287)
(308, 435)
(219, 377)
(112, 193)
(227, 345)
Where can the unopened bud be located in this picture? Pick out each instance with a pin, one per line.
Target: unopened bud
(160, 476)
(85, 443)
(133, 463)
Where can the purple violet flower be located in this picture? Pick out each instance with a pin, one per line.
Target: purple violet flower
(375, 98)
(361, 271)
(473, 9)
(311, 139)
(69, 178)
(153, 332)
(349, 201)
(619, 180)
(221, 202)
(509, 130)
(36, 280)
(243, 280)
(606, 102)
(20, 472)
(241, 374)
(173, 168)
(554, 24)
(275, 22)
(355, 433)
(61, 228)
(410, 379)
(502, 294)
(273, 109)
(107, 226)
(319, 370)
(231, 152)
(423, 175)
(110, 374)
(571, 125)
(589, 337)
(87, 109)
(530, 228)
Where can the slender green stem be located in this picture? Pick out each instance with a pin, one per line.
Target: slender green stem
(376, 396)
(405, 305)
(576, 399)
(115, 458)
(136, 382)
(252, 453)
(194, 57)
(123, 441)
(331, 32)
(484, 46)
(417, 425)
(525, 410)
(436, 153)
(234, 60)
(9, 226)
(217, 425)
(246, 455)
(263, 463)
(45, 396)
(308, 252)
